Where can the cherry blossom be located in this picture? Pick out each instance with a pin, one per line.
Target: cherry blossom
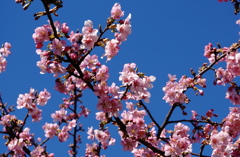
(124, 29)
(116, 11)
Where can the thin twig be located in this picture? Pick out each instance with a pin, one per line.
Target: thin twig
(150, 115)
(167, 119)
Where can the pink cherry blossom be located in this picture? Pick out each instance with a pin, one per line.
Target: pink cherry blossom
(89, 40)
(174, 91)
(63, 135)
(101, 116)
(221, 143)
(50, 129)
(74, 37)
(16, 145)
(116, 11)
(6, 119)
(59, 116)
(128, 144)
(41, 34)
(102, 74)
(89, 35)
(43, 97)
(57, 46)
(179, 142)
(112, 106)
(5, 50)
(111, 49)
(139, 84)
(232, 122)
(104, 138)
(3, 64)
(37, 152)
(56, 68)
(64, 28)
(124, 29)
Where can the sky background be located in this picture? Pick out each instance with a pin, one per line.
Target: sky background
(168, 37)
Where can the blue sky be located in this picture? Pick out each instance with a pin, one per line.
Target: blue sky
(168, 37)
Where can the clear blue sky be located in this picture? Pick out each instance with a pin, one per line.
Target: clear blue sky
(168, 37)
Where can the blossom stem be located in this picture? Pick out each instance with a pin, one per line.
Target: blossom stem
(150, 115)
(45, 4)
(167, 119)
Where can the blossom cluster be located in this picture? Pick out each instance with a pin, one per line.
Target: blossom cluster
(31, 100)
(4, 52)
(70, 59)
(52, 129)
(222, 141)
(174, 91)
(180, 143)
(226, 75)
(138, 83)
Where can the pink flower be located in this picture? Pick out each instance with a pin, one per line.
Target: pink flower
(50, 129)
(103, 137)
(111, 49)
(5, 50)
(89, 35)
(112, 107)
(221, 143)
(58, 46)
(89, 40)
(124, 29)
(60, 87)
(91, 150)
(88, 28)
(139, 84)
(37, 151)
(116, 11)
(232, 122)
(60, 115)
(65, 28)
(101, 116)
(3, 64)
(194, 114)
(75, 37)
(90, 133)
(43, 97)
(90, 62)
(16, 145)
(128, 144)
(63, 135)
(102, 74)
(6, 119)
(174, 91)
(232, 95)
(56, 68)
(41, 34)
(71, 124)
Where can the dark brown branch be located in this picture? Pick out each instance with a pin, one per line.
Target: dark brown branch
(237, 46)
(45, 4)
(74, 148)
(44, 141)
(150, 115)
(99, 149)
(150, 146)
(196, 121)
(125, 92)
(201, 150)
(167, 119)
